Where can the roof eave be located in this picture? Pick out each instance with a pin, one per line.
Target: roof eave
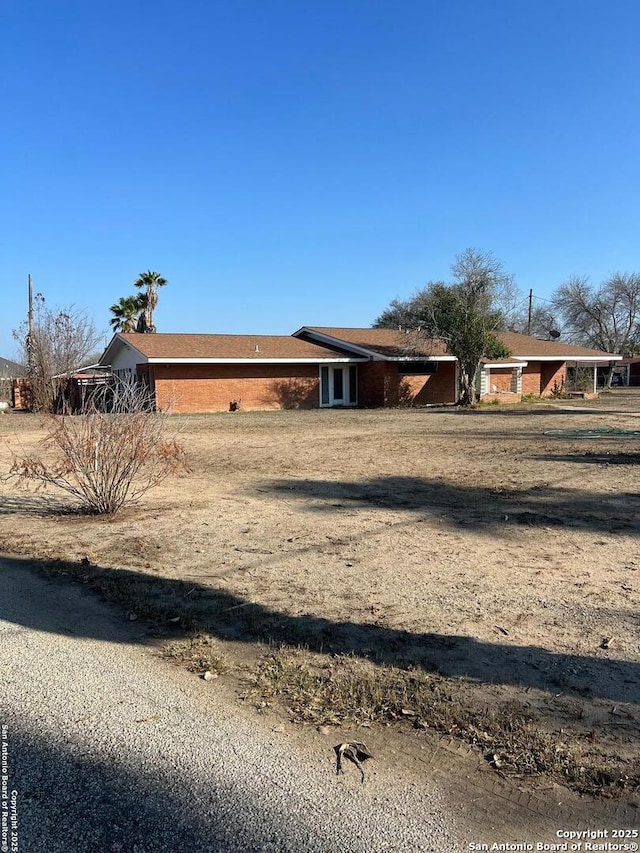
(371, 354)
(505, 364)
(118, 339)
(249, 360)
(570, 357)
(418, 357)
(331, 341)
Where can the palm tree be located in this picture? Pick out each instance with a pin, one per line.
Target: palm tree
(151, 281)
(126, 312)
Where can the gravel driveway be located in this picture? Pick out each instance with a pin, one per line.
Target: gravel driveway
(110, 749)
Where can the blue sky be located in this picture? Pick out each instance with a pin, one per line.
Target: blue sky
(290, 162)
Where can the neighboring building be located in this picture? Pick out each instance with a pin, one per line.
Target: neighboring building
(10, 373)
(321, 367)
(629, 372)
(11, 369)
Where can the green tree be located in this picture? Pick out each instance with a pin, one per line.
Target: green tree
(465, 314)
(150, 281)
(126, 312)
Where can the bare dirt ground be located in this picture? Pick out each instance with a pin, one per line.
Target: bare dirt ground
(497, 546)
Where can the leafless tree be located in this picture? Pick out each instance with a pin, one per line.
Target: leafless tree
(605, 318)
(62, 341)
(543, 320)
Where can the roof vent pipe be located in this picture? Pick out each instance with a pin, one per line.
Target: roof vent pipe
(256, 348)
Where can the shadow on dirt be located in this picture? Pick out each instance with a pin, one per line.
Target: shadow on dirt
(590, 458)
(535, 411)
(30, 504)
(230, 617)
(473, 506)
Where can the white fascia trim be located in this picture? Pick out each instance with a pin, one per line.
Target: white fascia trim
(255, 360)
(418, 358)
(587, 358)
(505, 364)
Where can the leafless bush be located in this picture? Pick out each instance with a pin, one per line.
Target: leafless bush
(61, 341)
(109, 455)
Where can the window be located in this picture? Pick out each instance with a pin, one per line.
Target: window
(324, 385)
(353, 384)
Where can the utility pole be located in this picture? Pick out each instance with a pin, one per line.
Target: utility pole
(530, 312)
(30, 341)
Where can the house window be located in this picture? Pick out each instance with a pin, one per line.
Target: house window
(324, 385)
(353, 384)
(124, 374)
(417, 368)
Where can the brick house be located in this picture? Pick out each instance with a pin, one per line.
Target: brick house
(322, 367)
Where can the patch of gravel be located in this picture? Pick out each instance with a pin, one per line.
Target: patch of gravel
(110, 750)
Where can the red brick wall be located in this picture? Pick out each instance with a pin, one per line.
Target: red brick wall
(380, 384)
(211, 387)
(538, 377)
(531, 378)
(21, 393)
(553, 376)
(502, 378)
(371, 383)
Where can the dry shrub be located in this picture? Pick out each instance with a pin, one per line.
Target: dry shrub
(109, 455)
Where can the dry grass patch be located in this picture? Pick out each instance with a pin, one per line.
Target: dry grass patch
(200, 654)
(343, 690)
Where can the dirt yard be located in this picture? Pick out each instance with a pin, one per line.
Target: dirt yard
(496, 546)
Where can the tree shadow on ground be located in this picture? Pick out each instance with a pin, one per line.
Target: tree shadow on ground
(69, 799)
(72, 796)
(564, 409)
(233, 618)
(589, 457)
(484, 509)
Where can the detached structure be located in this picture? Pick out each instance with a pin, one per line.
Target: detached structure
(12, 378)
(323, 367)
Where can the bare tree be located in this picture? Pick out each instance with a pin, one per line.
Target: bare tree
(62, 341)
(540, 324)
(607, 317)
(108, 456)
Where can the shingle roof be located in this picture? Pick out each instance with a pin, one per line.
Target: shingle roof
(389, 342)
(10, 369)
(523, 346)
(392, 342)
(255, 347)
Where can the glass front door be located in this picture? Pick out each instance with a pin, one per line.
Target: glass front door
(339, 385)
